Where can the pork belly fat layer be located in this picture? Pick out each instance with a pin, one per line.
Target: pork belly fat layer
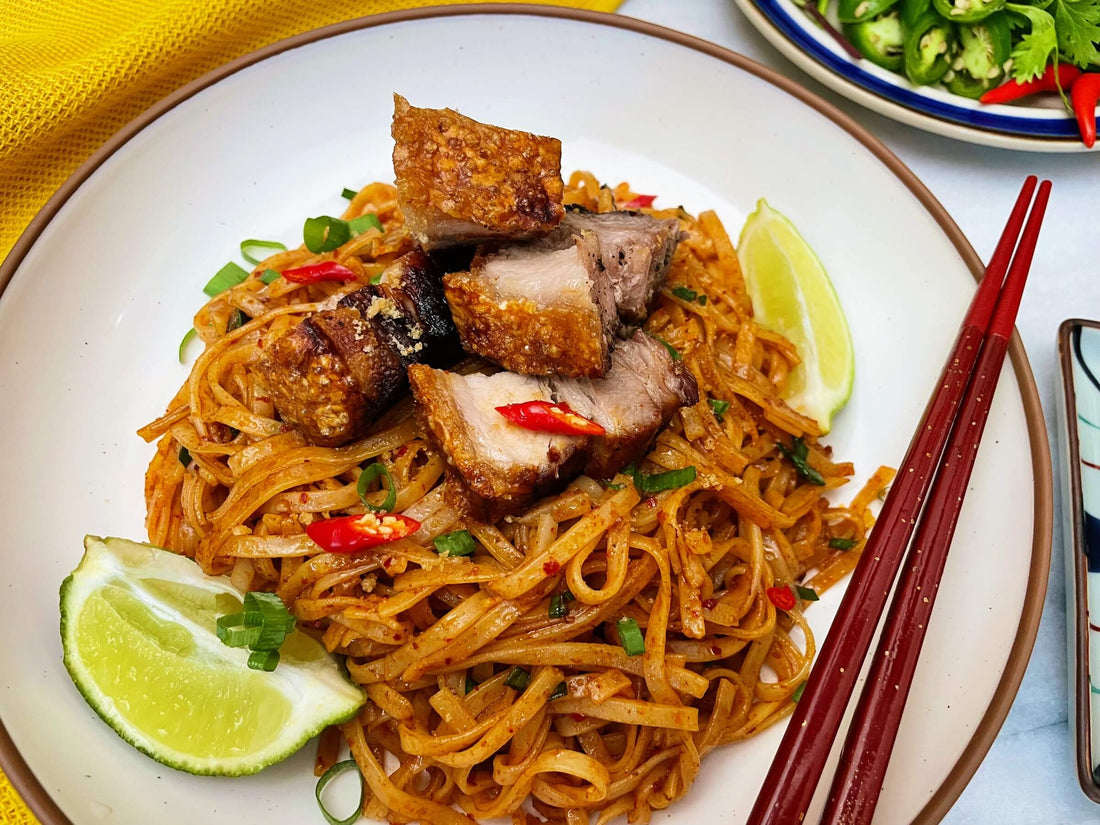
(541, 309)
(460, 181)
(644, 387)
(494, 467)
(636, 250)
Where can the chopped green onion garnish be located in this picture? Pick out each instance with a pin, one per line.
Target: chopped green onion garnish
(328, 776)
(364, 222)
(348, 193)
(191, 333)
(270, 276)
(558, 609)
(807, 594)
(251, 249)
(377, 279)
(518, 679)
(470, 683)
(275, 621)
(615, 487)
(718, 407)
(369, 474)
(324, 234)
(237, 319)
(798, 692)
(842, 544)
(265, 660)
(701, 300)
(797, 454)
(185, 457)
(669, 480)
(684, 292)
(235, 631)
(630, 636)
(675, 353)
(225, 278)
(458, 543)
(560, 691)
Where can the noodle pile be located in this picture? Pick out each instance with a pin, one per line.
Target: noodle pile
(435, 641)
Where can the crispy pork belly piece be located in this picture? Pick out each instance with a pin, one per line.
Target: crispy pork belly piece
(341, 368)
(635, 248)
(641, 391)
(460, 181)
(537, 309)
(494, 468)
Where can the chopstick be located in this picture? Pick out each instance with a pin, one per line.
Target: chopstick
(857, 782)
(798, 764)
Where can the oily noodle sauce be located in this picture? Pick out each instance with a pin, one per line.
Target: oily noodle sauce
(452, 727)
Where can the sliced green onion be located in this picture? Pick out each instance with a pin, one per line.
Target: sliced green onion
(369, 474)
(518, 679)
(235, 631)
(684, 292)
(798, 692)
(718, 407)
(615, 487)
(558, 608)
(328, 776)
(250, 249)
(237, 319)
(798, 453)
(324, 234)
(701, 300)
(348, 193)
(265, 660)
(470, 683)
(560, 691)
(377, 279)
(185, 457)
(807, 594)
(225, 278)
(191, 333)
(275, 621)
(675, 353)
(669, 480)
(270, 276)
(364, 222)
(630, 636)
(842, 544)
(458, 543)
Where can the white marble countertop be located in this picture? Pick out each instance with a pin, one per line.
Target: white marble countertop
(1028, 777)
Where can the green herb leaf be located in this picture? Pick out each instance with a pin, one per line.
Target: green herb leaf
(458, 543)
(237, 319)
(718, 407)
(328, 776)
(187, 336)
(348, 193)
(675, 353)
(377, 279)
(364, 222)
(842, 544)
(518, 679)
(252, 250)
(1034, 50)
(470, 683)
(560, 691)
(701, 300)
(270, 276)
(798, 693)
(1078, 26)
(324, 233)
(185, 457)
(669, 480)
(369, 474)
(686, 293)
(225, 278)
(798, 453)
(807, 594)
(630, 636)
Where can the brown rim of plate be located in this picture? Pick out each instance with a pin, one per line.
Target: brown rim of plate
(48, 811)
(1073, 508)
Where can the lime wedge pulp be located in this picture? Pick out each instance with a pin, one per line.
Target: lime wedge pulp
(139, 639)
(792, 295)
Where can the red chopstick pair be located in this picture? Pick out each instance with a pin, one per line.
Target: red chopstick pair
(955, 417)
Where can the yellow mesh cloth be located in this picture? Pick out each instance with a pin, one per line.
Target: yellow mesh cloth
(72, 74)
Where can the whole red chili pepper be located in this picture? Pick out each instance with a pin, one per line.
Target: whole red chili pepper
(1083, 95)
(351, 534)
(781, 597)
(547, 417)
(1046, 82)
(639, 202)
(316, 273)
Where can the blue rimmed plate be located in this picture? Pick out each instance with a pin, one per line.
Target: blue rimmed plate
(1042, 126)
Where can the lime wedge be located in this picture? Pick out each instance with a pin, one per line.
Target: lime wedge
(138, 632)
(792, 295)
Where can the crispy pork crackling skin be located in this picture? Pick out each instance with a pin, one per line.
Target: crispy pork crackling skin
(537, 309)
(493, 467)
(461, 181)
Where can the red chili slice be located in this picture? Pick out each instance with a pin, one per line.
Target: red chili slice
(547, 417)
(781, 597)
(352, 534)
(316, 273)
(639, 202)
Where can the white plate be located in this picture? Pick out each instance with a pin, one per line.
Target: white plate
(1035, 125)
(106, 280)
